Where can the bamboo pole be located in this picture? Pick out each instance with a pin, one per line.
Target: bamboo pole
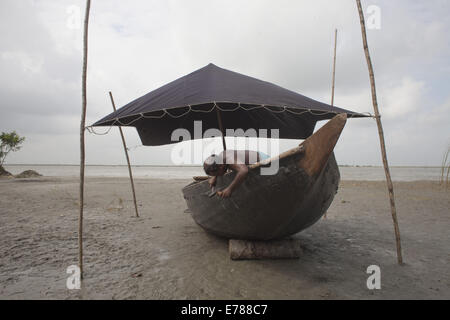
(380, 133)
(128, 158)
(82, 130)
(333, 80)
(334, 68)
(219, 120)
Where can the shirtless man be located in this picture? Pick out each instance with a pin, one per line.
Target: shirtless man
(236, 160)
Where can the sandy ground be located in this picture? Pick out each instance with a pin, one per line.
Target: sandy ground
(165, 255)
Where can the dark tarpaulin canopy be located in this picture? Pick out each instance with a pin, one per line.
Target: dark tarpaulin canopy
(244, 103)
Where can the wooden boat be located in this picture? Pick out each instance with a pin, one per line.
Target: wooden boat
(268, 207)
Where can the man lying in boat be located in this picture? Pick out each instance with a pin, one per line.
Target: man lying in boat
(236, 160)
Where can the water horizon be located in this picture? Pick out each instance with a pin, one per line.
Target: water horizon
(348, 172)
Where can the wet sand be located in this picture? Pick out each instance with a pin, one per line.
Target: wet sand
(165, 255)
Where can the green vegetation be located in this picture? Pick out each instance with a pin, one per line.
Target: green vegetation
(9, 142)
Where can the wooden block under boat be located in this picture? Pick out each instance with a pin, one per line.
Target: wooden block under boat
(273, 249)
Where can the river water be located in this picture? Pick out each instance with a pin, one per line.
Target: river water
(173, 172)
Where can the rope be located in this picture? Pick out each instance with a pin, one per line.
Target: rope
(227, 110)
(179, 116)
(206, 111)
(90, 129)
(215, 105)
(153, 117)
(126, 124)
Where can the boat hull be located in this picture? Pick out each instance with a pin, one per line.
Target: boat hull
(265, 207)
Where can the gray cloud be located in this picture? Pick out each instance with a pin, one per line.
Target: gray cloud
(136, 47)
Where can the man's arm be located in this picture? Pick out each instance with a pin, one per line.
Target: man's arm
(241, 174)
(212, 181)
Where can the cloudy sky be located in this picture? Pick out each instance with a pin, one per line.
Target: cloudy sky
(137, 46)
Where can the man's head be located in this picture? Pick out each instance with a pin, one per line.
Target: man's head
(214, 166)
